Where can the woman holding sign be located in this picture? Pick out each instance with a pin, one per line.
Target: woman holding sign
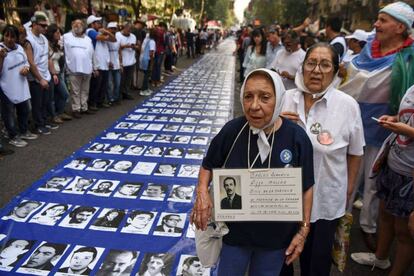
(260, 139)
(333, 123)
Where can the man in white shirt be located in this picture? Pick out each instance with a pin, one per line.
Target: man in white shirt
(129, 45)
(99, 82)
(114, 80)
(273, 46)
(289, 59)
(39, 77)
(79, 63)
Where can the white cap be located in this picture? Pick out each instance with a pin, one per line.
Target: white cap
(92, 18)
(359, 35)
(112, 24)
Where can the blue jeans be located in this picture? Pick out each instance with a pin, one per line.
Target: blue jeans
(145, 81)
(114, 82)
(60, 94)
(235, 259)
(7, 114)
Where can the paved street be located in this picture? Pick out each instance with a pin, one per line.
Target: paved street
(20, 170)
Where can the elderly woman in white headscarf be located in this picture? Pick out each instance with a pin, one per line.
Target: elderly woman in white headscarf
(259, 139)
(332, 120)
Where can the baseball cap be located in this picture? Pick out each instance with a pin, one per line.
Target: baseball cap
(359, 35)
(112, 24)
(92, 18)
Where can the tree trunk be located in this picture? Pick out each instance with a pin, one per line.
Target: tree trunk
(201, 12)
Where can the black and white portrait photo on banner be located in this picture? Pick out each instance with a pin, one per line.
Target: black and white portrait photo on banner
(97, 147)
(181, 193)
(195, 154)
(190, 265)
(139, 222)
(155, 191)
(230, 192)
(50, 214)
(135, 150)
(112, 135)
(12, 251)
(165, 169)
(79, 163)
(55, 183)
(144, 168)
(78, 217)
(170, 224)
(156, 264)
(128, 190)
(99, 165)
(79, 185)
(114, 149)
(120, 166)
(103, 187)
(108, 220)
(118, 263)
(187, 170)
(23, 210)
(81, 261)
(174, 152)
(43, 259)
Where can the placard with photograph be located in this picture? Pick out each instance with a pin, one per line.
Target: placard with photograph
(258, 194)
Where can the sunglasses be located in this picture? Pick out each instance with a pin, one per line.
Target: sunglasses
(42, 25)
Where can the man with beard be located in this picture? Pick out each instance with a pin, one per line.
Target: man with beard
(233, 200)
(78, 56)
(117, 263)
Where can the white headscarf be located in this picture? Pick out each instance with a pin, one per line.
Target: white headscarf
(300, 84)
(262, 142)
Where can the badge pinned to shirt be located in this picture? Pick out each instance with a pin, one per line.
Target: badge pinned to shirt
(316, 128)
(286, 156)
(325, 138)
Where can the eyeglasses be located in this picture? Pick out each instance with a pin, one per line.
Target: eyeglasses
(325, 66)
(44, 26)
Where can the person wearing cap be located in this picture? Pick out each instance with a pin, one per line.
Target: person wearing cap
(37, 52)
(99, 82)
(79, 66)
(273, 46)
(356, 41)
(378, 88)
(324, 112)
(128, 47)
(260, 139)
(114, 80)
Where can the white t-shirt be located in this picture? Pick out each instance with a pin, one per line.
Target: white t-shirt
(144, 44)
(341, 40)
(128, 54)
(13, 84)
(114, 54)
(289, 62)
(78, 53)
(339, 115)
(40, 47)
(101, 54)
(401, 156)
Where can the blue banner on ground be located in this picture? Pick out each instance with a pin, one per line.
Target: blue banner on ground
(120, 205)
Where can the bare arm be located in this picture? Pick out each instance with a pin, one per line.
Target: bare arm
(202, 207)
(33, 68)
(105, 35)
(3, 54)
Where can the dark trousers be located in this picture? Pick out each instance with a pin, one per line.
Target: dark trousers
(241, 58)
(40, 103)
(60, 94)
(7, 114)
(168, 61)
(126, 79)
(156, 70)
(98, 88)
(145, 81)
(316, 258)
(190, 50)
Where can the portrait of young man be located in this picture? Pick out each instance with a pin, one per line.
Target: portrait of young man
(118, 263)
(232, 200)
(23, 210)
(170, 224)
(44, 258)
(12, 251)
(139, 222)
(79, 217)
(191, 266)
(81, 261)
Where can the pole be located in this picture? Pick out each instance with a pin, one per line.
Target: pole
(89, 6)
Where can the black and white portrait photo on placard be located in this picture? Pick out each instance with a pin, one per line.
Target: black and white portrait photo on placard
(55, 183)
(108, 220)
(139, 222)
(50, 214)
(154, 191)
(170, 224)
(12, 251)
(181, 193)
(159, 264)
(79, 217)
(79, 185)
(118, 263)
(128, 190)
(190, 265)
(81, 261)
(43, 259)
(23, 210)
(230, 192)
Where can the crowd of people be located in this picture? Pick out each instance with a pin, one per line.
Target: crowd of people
(350, 98)
(48, 76)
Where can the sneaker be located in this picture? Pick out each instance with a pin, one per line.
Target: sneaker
(370, 259)
(29, 136)
(51, 125)
(57, 120)
(358, 204)
(65, 117)
(18, 142)
(106, 105)
(147, 92)
(43, 130)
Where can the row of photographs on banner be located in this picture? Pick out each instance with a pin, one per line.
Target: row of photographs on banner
(132, 167)
(204, 129)
(115, 188)
(185, 112)
(144, 117)
(101, 219)
(189, 103)
(43, 258)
